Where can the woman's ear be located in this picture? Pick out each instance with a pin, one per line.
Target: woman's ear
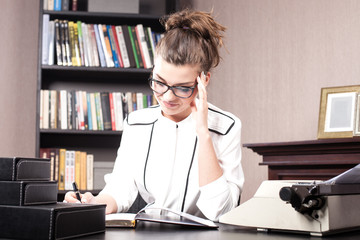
(207, 78)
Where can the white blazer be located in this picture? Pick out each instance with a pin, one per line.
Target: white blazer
(158, 159)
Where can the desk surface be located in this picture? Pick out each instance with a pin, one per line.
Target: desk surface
(148, 231)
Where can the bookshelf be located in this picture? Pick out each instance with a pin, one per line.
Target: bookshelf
(102, 144)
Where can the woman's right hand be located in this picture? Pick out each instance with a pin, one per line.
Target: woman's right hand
(70, 197)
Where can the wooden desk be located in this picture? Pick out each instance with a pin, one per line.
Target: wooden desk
(314, 160)
(156, 231)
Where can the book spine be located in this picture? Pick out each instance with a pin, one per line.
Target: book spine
(137, 47)
(65, 5)
(103, 44)
(61, 181)
(70, 110)
(128, 45)
(122, 46)
(58, 43)
(98, 111)
(89, 173)
(85, 109)
(53, 109)
(64, 111)
(78, 168)
(45, 39)
(133, 47)
(74, 5)
(62, 42)
(89, 114)
(93, 112)
(41, 114)
(117, 47)
(81, 42)
(51, 43)
(99, 46)
(148, 39)
(140, 34)
(112, 46)
(112, 112)
(95, 52)
(119, 111)
(83, 170)
(105, 107)
(50, 5)
(57, 5)
(67, 44)
(108, 47)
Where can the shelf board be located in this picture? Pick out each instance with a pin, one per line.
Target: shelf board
(108, 18)
(65, 73)
(79, 139)
(79, 132)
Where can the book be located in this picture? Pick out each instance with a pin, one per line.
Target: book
(113, 48)
(144, 50)
(81, 42)
(105, 108)
(117, 46)
(61, 179)
(128, 45)
(99, 47)
(45, 39)
(51, 43)
(58, 43)
(159, 215)
(135, 47)
(57, 5)
(89, 171)
(67, 43)
(62, 43)
(122, 46)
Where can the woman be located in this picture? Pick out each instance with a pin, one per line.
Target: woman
(184, 154)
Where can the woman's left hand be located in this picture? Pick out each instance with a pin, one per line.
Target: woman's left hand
(200, 111)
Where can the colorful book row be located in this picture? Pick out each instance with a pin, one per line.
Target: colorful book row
(68, 166)
(81, 110)
(60, 5)
(69, 43)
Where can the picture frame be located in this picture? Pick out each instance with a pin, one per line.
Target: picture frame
(357, 117)
(338, 112)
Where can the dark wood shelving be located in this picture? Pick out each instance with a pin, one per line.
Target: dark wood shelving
(314, 159)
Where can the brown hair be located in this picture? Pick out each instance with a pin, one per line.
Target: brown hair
(191, 37)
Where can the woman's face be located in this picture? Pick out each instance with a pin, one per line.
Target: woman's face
(173, 107)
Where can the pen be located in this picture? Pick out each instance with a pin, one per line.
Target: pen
(76, 190)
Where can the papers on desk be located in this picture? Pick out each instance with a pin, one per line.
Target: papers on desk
(159, 215)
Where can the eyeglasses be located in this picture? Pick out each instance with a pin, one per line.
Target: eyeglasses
(179, 91)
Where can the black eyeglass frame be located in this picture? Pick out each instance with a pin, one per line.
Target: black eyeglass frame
(172, 87)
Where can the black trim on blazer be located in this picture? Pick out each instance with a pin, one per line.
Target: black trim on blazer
(187, 179)
(146, 123)
(147, 156)
(230, 127)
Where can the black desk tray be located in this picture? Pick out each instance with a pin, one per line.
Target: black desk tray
(51, 221)
(23, 193)
(24, 169)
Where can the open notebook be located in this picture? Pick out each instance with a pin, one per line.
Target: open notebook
(161, 215)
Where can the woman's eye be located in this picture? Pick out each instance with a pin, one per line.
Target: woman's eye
(184, 89)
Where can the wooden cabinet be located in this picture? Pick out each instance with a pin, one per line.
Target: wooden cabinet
(313, 160)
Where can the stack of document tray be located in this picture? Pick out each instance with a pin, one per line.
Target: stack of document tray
(29, 207)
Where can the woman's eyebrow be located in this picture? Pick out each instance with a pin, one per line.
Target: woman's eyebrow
(178, 84)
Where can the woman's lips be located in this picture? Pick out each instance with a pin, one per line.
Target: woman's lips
(169, 104)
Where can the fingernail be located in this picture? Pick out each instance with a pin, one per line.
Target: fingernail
(203, 74)
(84, 200)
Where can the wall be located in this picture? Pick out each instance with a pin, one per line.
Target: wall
(280, 54)
(18, 75)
